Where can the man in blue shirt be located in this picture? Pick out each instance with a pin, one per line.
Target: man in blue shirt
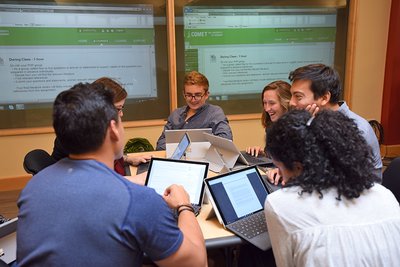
(197, 114)
(80, 212)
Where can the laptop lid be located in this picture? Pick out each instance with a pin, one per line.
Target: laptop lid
(178, 153)
(199, 144)
(236, 196)
(8, 240)
(226, 150)
(190, 174)
(181, 147)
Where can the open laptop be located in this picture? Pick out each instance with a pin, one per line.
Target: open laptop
(223, 154)
(199, 144)
(190, 174)
(238, 201)
(8, 241)
(178, 153)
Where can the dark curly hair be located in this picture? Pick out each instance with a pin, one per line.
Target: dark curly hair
(323, 79)
(330, 149)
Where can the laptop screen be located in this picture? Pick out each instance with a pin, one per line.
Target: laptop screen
(238, 194)
(181, 148)
(164, 172)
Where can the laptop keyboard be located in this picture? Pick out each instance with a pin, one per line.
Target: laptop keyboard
(253, 160)
(251, 226)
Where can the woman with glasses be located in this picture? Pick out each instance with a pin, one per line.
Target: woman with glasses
(197, 113)
(120, 96)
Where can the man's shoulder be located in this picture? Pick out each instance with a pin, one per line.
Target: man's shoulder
(361, 122)
(214, 109)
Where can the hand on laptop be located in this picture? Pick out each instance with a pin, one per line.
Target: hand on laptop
(136, 160)
(255, 151)
(176, 195)
(274, 176)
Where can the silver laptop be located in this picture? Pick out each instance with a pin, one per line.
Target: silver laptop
(178, 153)
(223, 155)
(8, 240)
(199, 144)
(190, 174)
(238, 201)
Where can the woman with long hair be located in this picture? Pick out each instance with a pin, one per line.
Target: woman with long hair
(275, 99)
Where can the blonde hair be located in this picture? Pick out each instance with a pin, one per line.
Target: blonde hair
(196, 78)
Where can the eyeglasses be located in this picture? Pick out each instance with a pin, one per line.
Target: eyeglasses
(195, 96)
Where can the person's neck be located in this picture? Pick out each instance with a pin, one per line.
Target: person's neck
(104, 158)
(334, 107)
(191, 112)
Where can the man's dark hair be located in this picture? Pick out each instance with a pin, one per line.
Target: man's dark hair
(323, 79)
(330, 149)
(81, 116)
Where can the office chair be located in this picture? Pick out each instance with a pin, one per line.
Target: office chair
(378, 129)
(36, 160)
(391, 177)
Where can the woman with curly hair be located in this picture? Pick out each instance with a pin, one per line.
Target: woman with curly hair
(330, 213)
(275, 99)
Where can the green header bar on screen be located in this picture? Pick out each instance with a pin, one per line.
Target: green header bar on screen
(259, 35)
(15, 36)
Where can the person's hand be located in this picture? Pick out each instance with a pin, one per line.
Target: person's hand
(313, 109)
(136, 160)
(274, 176)
(176, 195)
(137, 179)
(255, 151)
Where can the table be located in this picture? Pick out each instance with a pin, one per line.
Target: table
(215, 235)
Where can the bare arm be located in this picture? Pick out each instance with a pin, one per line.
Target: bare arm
(136, 160)
(192, 251)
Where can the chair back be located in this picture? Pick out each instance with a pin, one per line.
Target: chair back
(391, 177)
(36, 160)
(138, 144)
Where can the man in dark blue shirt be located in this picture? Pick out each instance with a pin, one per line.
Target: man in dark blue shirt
(197, 114)
(80, 212)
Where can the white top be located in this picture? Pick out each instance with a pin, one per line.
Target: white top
(309, 231)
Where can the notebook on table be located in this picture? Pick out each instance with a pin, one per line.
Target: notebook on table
(178, 153)
(223, 154)
(190, 174)
(238, 201)
(199, 144)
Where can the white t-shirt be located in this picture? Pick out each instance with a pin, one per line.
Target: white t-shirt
(306, 230)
